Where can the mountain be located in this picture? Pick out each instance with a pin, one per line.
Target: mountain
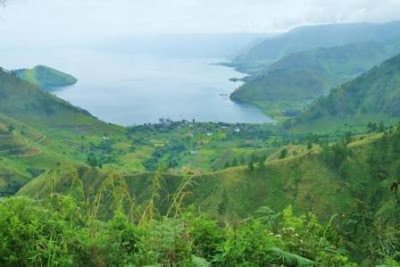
(374, 95)
(25, 111)
(25, 101)
(284, 92)
(39, 131)
(348, 60)
(291, 82)
(310, 37)
(45, 77)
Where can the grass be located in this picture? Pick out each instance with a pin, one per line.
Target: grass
(303, 180)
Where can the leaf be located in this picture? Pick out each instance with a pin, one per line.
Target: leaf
(200, 262)
(288, 258)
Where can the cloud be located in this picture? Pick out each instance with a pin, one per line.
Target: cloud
(63, 21)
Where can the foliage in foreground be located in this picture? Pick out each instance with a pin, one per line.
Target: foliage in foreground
(60, 232)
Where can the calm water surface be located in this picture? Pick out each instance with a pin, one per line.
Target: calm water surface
(132, 89)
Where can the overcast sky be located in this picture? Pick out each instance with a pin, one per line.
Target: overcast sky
(56, 21)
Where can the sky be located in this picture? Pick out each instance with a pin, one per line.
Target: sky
(61, 21)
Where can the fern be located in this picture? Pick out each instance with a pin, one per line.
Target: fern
(200, 262)
(290, 259)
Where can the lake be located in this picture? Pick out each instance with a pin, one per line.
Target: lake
(128, 89)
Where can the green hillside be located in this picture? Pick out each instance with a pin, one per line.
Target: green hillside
(288, 85)
(45, 77)
(348, 60)
(41, 141)
(91, 174)
(39, 131)
(372, 96)
(283, 84)
(316, 186)
(24, 101)
(351, 178)
(284, 92)
(310, 37)
(47, 131)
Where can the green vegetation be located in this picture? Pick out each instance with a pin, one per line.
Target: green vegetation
(287, 86)
(45, 77)
(311, 37)
(351, 178)
(31, 105)
(62, 232)
(284, 93)
(372, 96)
(320, 189)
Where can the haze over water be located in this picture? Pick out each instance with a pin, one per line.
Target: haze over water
(127, 88)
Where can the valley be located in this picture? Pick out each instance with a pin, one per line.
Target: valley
(316, 186)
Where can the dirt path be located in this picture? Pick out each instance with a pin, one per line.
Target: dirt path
(26, 147)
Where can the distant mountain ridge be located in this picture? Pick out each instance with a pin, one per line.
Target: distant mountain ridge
(314, 36)
(307, 75)
(349, 60)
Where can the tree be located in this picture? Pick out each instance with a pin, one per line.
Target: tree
(309, 145)
(251, 166)
(242, 161)
(222, 206)
(395, 188)
(372, 127)
(227, 165)
(347, 137)
(283, 154)
(336, 154)
(92, 161)
(234, 163)
(261, 163)
(382, 127)
(11, 127)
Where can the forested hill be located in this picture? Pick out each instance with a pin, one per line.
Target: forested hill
(347, 60)
(375, 94)
(294, 81)
(45, 77)
(25, 101)
(309, 37)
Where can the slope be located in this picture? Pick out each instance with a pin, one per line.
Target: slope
(350, 178)
(24, 101)
(38, 131)
(45, 77)
(284, 92)
(373, 96)
(290, 83)
(313, 180)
